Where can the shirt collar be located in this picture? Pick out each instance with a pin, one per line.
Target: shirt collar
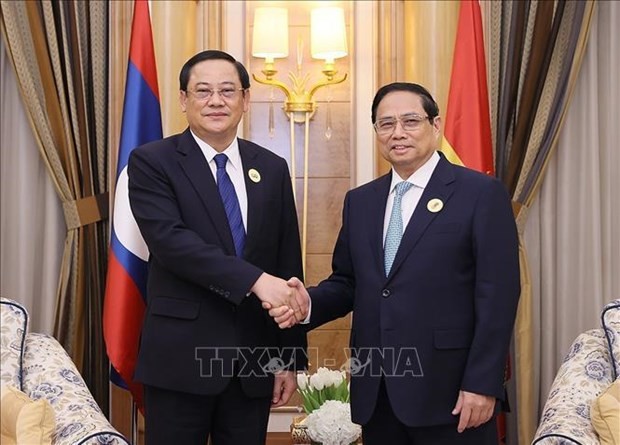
(232, 151)
(421, 176)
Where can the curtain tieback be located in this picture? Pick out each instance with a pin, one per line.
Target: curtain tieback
(84, 211)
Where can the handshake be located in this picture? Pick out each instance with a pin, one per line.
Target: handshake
(288, 302)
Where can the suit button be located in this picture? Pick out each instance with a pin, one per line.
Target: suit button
(386, 293)
(227, 294)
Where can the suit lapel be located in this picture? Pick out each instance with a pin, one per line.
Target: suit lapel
(197, 169)
(377, 209)
(255, 192)
(440, 186)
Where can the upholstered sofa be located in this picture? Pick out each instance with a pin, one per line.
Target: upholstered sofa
(37, 365)
(588, 371)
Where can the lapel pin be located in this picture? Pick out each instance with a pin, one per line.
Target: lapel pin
(254, 175)
(434, 205)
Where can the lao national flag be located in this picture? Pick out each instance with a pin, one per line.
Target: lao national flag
(125, 293)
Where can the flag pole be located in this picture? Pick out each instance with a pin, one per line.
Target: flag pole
(134, 423)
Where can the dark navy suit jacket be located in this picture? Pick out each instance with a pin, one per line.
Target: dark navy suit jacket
(198, 314)
(442, 320)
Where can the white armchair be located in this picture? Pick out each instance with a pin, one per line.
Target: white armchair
(590, 367)
(38, 365)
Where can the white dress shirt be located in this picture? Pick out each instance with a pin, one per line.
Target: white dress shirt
(419, 179)
(234, 168)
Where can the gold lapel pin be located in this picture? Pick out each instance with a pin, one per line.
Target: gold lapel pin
(254, 175)
(434, 205)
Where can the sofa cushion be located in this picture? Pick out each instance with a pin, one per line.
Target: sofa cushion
(13, 328)
(23, 420)
(583, 376)
(605, 415)
(611, 324)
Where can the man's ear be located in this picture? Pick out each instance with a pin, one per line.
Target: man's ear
(437, 125)
(246, 100)
(183, 100)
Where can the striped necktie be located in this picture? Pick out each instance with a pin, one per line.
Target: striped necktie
(231, 203)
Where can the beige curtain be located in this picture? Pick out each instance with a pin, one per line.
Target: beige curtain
(59, 53)
(572, 230)
(536, 50)
(32, 228)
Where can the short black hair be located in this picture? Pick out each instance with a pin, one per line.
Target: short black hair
(212, 54)
(429, 104)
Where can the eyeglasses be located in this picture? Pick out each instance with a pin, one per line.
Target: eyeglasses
(409, 122)
(207, 93)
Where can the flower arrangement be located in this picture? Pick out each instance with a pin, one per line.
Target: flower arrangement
(321, 386)
(325, 397)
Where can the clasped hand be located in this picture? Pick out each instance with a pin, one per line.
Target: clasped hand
(288, 302)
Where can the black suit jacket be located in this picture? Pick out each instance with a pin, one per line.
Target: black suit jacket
(442, 320)
(200, 325)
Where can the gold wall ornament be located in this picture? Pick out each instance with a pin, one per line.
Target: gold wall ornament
(328, 42)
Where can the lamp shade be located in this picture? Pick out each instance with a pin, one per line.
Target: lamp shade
(270, 35)
(328, 33)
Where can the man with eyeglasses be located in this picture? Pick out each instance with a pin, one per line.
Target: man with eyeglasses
(218, 215)
(427, 260)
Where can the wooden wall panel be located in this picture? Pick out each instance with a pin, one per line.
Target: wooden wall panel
(319, 267)
(325, 196)
(329, 346)
(327, 158)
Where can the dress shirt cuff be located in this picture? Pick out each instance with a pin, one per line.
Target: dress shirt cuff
(307, 319)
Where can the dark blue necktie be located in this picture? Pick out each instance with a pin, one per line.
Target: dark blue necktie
(231, 203)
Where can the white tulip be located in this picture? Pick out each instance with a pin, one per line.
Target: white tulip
(317, 381)
(302, 380)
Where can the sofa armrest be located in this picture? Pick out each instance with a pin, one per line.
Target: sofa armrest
(583, 376)
(49, 373)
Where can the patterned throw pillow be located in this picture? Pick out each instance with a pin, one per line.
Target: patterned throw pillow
(605, 414)
(23, 420)
(13, 329)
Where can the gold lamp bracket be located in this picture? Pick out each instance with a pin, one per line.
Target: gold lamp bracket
(299, 100)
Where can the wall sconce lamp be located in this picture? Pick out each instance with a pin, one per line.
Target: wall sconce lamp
(328, 42)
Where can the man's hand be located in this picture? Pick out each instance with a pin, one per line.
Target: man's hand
(475, 409)
(285, 316)
(284, 386)
(275, 292)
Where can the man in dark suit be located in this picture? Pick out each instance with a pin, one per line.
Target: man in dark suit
(218, 216)
(427, 260)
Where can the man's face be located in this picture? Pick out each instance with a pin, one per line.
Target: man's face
(214, 119)
(406, 150)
